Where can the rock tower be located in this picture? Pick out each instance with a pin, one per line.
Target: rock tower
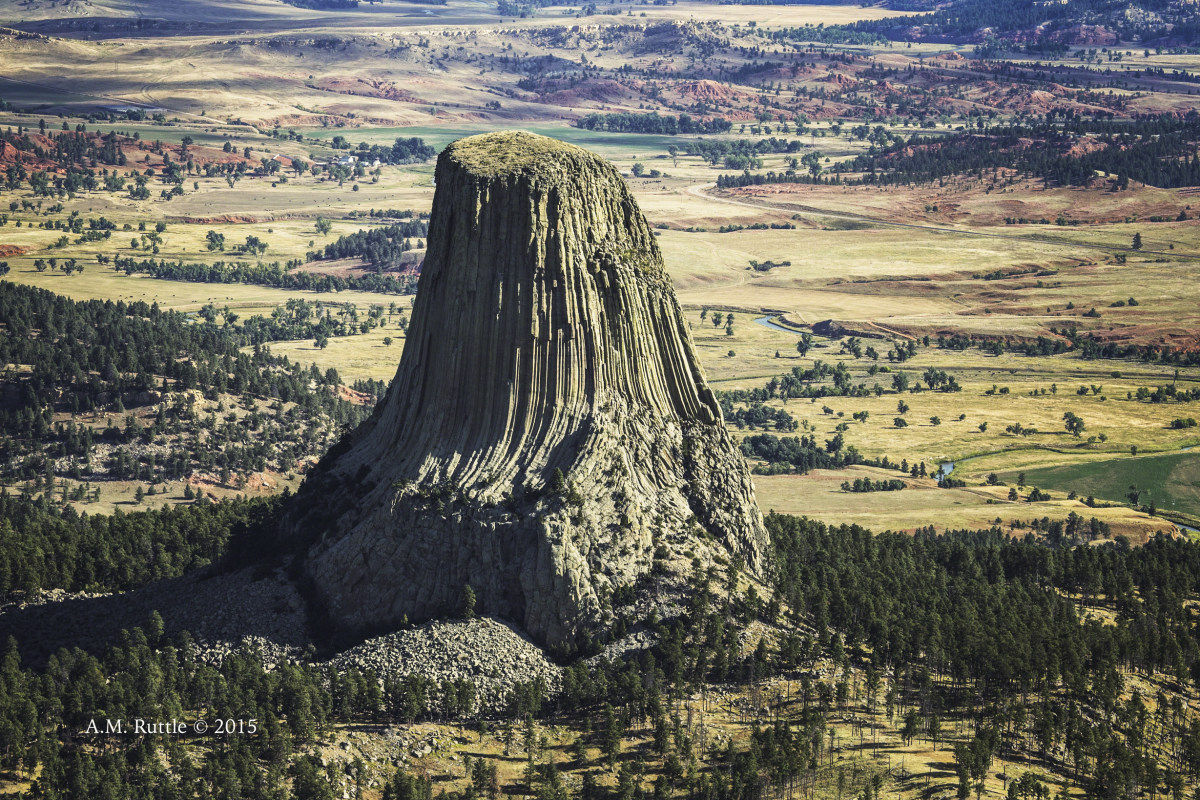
(548, 426)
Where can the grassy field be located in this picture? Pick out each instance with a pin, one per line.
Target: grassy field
(1171, 482)
(892, 262)
(819, 495)
(887, 279)
(612, 145)
(354, 357)
(97, 283)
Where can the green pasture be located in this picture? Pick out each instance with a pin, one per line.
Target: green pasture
(1171, 481)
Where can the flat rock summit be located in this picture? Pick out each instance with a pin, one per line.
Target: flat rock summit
(549, 431)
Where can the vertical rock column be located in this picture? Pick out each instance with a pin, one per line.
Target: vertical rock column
(548, 423)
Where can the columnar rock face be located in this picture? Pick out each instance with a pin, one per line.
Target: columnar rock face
(549, 424)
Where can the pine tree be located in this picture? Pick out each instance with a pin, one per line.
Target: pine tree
(613, 732)
(468, 602)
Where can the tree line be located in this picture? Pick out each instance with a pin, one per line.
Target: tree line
(274, 274)
(403, 151)
(101, 357)
(44, 546)
(963, 19)
(652, 122)
(383, 248)
(1158, 151)
(977, 627)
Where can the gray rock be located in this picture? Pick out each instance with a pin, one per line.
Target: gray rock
(435, 651)
(549, 421)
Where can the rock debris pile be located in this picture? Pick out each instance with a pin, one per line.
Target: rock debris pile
(486, 652)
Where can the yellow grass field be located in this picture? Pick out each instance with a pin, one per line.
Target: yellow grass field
(922, 504)
(897, 263)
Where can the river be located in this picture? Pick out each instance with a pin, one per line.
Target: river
(769, 322)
